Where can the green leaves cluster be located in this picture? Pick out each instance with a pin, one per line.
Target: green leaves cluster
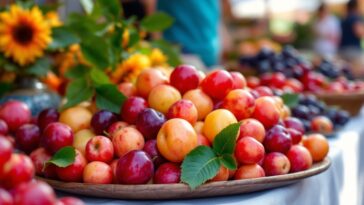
(203, 163)
(290, 99)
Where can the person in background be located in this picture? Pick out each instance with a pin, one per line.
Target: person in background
(352, 27)
(196, 27)
(327, 33)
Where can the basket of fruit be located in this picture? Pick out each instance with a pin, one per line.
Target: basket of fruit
(331, 82)
(179, 137)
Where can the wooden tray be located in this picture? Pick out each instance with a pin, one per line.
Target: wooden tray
(182, 191)
(351, 102)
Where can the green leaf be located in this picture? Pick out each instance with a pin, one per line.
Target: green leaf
(63, 157)
(87, 5)
(133, 37)
(95, 50)
(78, 91)
(172, 52)
(290, 99)
(108, 97)
(61, 38)
(78, 71)
(40, 67)
(99, 77)
(5, 87)
(228, 161)
(156, 22)
(224, 142)
(200, 165)
(110, 8)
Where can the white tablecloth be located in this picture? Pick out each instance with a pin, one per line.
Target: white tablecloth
(341, 184)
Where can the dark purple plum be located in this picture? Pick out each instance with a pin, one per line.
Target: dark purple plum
(101, 120)
(149, 122)
(27, 137)
(46, 117)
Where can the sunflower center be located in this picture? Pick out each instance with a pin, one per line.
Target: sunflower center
(23, 33)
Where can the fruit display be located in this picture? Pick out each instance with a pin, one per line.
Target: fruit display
(17, 171)
(289, 70)
(165, 131)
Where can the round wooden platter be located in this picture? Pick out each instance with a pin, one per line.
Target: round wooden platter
(182, 191)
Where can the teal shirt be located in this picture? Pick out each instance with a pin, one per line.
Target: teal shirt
(195, 27)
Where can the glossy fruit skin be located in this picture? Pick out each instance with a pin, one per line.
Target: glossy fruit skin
(294, 123)
(99, 148)
(149, 122)
(184, 78)
(202, 102)
(217, 84)
(240, 102)
(148, 79)
(5, 197)
(253, 82)
(183, 109)
(276, 163)
(322, 125)
(202, 140)
(97, 172)
(101, 120)
(252, 128)
(277, 139)
(18, 169)
(317, 145)
(6, 148)
(249, 151)
(222, 175)
(81, 138)
(296, 136)
(266, 112)
(39, 157)
(216, 121)
(71, 201)
(77, 118)
(151, 149)
(73, 172)
(176, 139)
(167, 173)
(131, 109)
(4, 129)
(46, 117)
(249, 172)
(239, 80)
(300, 158)
(263, 91)
(15, 114)
(134, 168)
(28, 137)
(34, 193)
(127, 89)
(57, 135)
(127, 139)
(162, 97)
(115, 127)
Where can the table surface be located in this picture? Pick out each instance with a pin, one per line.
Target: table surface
(342, 183)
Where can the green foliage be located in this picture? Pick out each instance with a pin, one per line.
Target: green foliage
(63, 157)
(156, 22)
(78, 91)
(40, 67)
(61, 38)
(108, 97)
(203, 162)
(95, 49)
(290, 99)
(200, 165)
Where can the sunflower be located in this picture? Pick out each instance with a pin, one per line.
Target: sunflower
(24, 34)
(129, 69)
(157, 57)
(53, 19)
